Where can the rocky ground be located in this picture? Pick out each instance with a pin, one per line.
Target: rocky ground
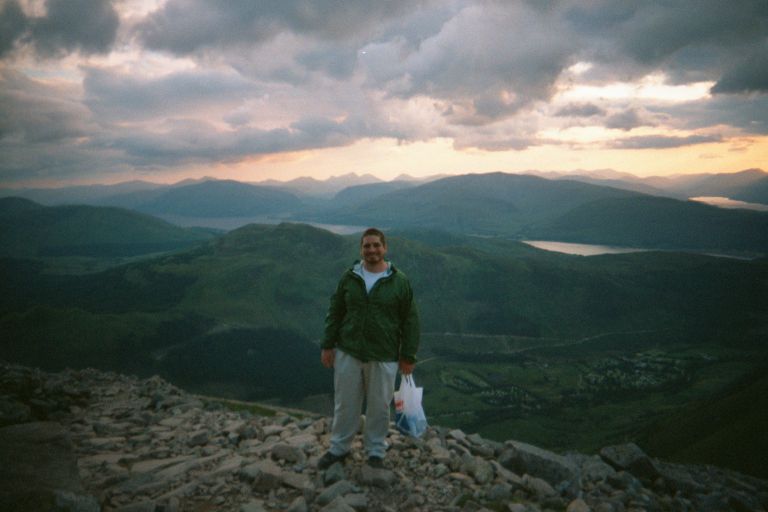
(88, 440)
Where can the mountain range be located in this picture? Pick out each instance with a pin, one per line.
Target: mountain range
(598, 208)
(748, 185)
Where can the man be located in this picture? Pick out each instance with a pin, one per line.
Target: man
(371, 330)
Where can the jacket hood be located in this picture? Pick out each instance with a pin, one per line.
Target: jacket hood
(357, 268)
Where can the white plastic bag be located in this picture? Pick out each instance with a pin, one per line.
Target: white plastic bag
(409, 413)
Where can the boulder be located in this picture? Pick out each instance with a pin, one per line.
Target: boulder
(629, 457)
(523, 458)
(39, 468)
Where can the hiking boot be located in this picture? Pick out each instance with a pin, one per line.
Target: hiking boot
(329, 459)
(376, 462)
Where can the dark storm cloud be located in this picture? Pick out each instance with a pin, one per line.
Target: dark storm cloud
(337, 61)
(32, 113)
(87, 26)
(653, 33)
(694, 39)
(116, 95)
(13, 24)
(626, 120)
(496, 58)
(580, 110)
(746, 113)
(748, 75)
(491, 59)
(187, 26)
(187, 141)
(42, 129)
(662, 142)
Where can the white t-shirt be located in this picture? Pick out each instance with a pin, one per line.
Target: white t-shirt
(370, 278)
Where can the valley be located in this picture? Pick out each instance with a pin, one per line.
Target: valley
(576, 397)
(564, 351)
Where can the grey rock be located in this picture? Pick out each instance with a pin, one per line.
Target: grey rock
(357, 501)
(253, 506)
(334, 474)
(538, 486)
(182, 468)
(264, 475)
(336, 490)
(480, 469)
(71, 502)
(679, 479)
(624, 481)
(458, 435)
(578, 505)
(151, 465)
(296, 481)
(475, 439)
(630, 457)
(439, 470)
(499, 492)
(226, 467)
(142, 506)
(378, 477)
(288, 453)
(198, 438)
(337, 505)
(482, 450)
(440, 454)
(131, 439)
(525, 458)
(593, 469)
(298, 505)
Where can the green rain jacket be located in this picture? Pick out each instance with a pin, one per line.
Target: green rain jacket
(380, 326)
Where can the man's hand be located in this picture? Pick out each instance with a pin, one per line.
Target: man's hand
(327, 357)
(406, 368)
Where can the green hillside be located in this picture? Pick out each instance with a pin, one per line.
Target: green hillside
(31, 230)
(533, 208)
(495, 203)
(647, 221)
(563, 351)
(755, 193)
(220, 198)
(729, 428)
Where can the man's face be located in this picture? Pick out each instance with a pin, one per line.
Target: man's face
(372, 250)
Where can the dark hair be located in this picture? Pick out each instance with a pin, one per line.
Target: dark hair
(374, 232)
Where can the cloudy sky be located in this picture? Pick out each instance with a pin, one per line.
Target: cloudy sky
(100, 91)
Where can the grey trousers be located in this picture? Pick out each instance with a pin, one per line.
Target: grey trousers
(353, 381)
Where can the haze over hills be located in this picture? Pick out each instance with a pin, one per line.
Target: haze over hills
(82, 194)
(748, 185)
(321, 188)
(529, 207)
(28, 229)
(221, 198)
(519, 206)
(737, 185)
